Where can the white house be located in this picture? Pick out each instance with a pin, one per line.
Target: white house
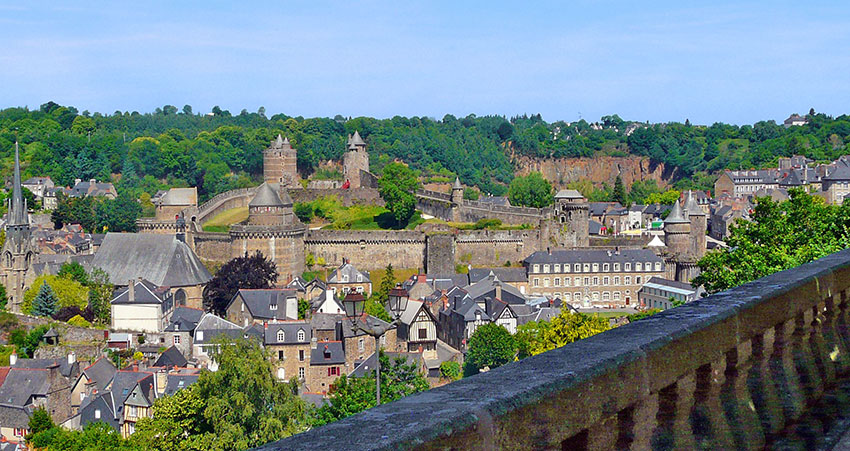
(142, 307)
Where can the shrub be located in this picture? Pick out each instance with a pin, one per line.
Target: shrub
(79, 321)
(450, 370)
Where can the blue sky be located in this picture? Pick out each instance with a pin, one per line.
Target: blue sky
(735, 62)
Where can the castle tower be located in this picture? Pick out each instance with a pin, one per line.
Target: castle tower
(696, 216)
(280, 163)
(268, 209)
(572, 219)
(680, 262)
(356, 159)
(457, 192)
(19, 249)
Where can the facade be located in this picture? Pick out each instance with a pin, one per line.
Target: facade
(142, 307)
(20, 249)
(746, 182)
(280, 163)
(418, 327)
(38, 186)
(172, 203)
(347, 279)
(571, 217)
(289, 344)
(836, 185)
(592, 277)
(262, 306)
(660, 293)
(92, 188)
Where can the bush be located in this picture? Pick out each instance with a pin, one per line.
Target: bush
(79, 321)
(641, 315)
(450, 370)
(8, 321)
(304, 212)
(487, 223)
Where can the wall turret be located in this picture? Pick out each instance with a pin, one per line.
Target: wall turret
(280, 163)
(696, 217)
(356, 159)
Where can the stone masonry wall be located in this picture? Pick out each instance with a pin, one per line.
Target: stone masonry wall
(440, 253)
(212, 246)
(495, 247)
(368, 250)
(348, 197)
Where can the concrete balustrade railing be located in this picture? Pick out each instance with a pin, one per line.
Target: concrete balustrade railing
(729, 371)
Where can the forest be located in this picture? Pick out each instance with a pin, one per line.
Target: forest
(218, 151)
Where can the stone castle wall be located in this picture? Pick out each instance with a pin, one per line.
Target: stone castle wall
(348, 197)
(495, 247)
(368, 249)
(440, 205)
(212, 246)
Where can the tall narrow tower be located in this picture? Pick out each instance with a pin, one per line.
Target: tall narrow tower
(19, 248)
(356, 159)
(280, 163)
(696, 217)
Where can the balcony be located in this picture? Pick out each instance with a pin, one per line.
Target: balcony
(759, 365)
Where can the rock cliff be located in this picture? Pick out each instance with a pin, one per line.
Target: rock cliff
(598, 170)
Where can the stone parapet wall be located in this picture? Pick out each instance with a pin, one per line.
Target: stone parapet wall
(348, 197)
(495, 247)
(730, 371)
(368, 250)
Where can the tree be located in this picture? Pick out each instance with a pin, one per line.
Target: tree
(619, 194)
(397, 184)
(490, 346)
(665, 198)
(45, 302)
(100, 294)
(536, 337)
(68, 292)
(779, 235)
(39, 421)
(74, 271)
(252, 272)
(450, 370)
(530, 191)
(4, 298)
(349, 395)
(177, 423)
(27, 343)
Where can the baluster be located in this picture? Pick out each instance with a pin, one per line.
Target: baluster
(804, 361)
(674, 408)
(602, 436)
(737, 403)
(711, 431)
(784, 374)
(829, 349)
(644, 423)
(763, 387)
(842, 328)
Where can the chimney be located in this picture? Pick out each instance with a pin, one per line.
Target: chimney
(131, 287)
(136, 367)
(313, 343)
(161, 381)
(77, 181)
(72, 357)
(13, 358)
(498, 290)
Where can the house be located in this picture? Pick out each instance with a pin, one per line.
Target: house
(14, 422)
(181, 329)
(459, 319)
(170, 358)
(326, 302)
(746, 181)
(596, 228)
(163, 260)
(327, 362)
(38, 186)
(260, 306)
(174, 201)
(41, 383)
(347, 278)
(92, 380)
(660, 293)
(515, 277)
(795, 120)
(836, 185)
(418, 327)
(289, 344)
(142, 306)
(92, 188)
(211, 327)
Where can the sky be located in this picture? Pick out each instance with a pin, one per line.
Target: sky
(734, 62)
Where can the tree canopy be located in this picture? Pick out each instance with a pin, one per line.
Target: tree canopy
(536, 337)
(531, 190)
(491, 346)
(397, 184)
(249, 271)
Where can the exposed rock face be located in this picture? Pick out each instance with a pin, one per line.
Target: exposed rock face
(598, 170)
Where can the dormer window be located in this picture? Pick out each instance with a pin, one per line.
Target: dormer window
(605, 267)
(627, 267)
(638, 266)
(360, 278)
(280, 335)
(587, 267)
(616, 266)
(273, 306)
(301, 335)
(596, 267)
(556, 268)
(546, 268)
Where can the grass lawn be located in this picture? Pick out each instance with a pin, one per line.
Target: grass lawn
(221, 222)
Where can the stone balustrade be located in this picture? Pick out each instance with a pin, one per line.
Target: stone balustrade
(732, 370)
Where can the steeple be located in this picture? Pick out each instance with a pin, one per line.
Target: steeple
(17, 209)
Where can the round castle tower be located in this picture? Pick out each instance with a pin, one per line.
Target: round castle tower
(697, 219)
(572, 219)
(356, 159)
(280, 163)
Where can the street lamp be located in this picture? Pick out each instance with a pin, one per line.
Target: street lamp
(354, 304)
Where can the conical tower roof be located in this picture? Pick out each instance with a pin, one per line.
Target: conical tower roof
(457, 184)
(676, 216)
(17, 209)
(285, 200)
(691, 205)
(266, 197)
(279, 141)
(655, 242)
(357, 140)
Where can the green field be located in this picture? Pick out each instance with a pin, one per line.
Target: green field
(221, 222)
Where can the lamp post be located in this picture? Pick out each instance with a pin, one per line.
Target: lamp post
(354, 303)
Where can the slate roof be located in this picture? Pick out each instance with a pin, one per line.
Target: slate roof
(456, 184)
(144, 292)
(325, 321)
(22, 384)
(123, 384)
(840, 173)
(486, 287)
(409, 313)
(435, 282)
(12, 416)
(105, 402)
(170, 358)
(594, 227)
(161, 259)
(266, 197)
(86, 188)
(327, 353)
(357, 140)
(504, 274)
(290, 333)
(212, 326)
(347, 269)
(593, 256)
(792, 179)
(100, 373)
(676, 216)
(175, 382)
(671, 283)
(184, 319)
(568, 194)
(65, 369)
(180, 196)
(259, 302)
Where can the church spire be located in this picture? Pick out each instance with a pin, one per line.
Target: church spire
(17, 211)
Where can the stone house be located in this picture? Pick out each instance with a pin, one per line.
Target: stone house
(347, 279)
(260, 306)
(289, 343)
(181, 329)
(92, 379)
(418, 327)
(327, 362)
(38, 186)
(174, 201)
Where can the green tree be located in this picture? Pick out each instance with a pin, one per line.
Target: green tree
(39, 421)
(491, 346)
(74, 271)
(450, 370)
(4, 298)
(45, 302)
(100, 294)
(619, 194)
(303, 309)
(779, 235)
(27, 343)
(530, 191)
(397, 184)
(536, 337)
(665, 198)
(68, 292)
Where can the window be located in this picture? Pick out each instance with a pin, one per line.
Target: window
(423, 334)
(605, 266)
(616, 266)
(628, 280)
(578, 281)
(546, 282)
(384, 339)
(638, 266)
(176, 339)
(606, 296)
(333, 371)
(638, 280)
(536, 282)
(586, 267)
(616, 295)
(556, 268)
(557, 295)
(595, 295)
(595, 281)
(567, 281)
(616, 280)
(596, 267)
(281, 373)
(302, 336)
(566, 267)
(360, 345)
(199, 335)
(280, 336)
(96, 414)
(605, 280)
(132, 411)
(273, 306)
(566, 297)
(360, 278)
(586, 281)
(301, 372)
(546, 269)
(658, 266)
(557, 281)
(280, 355)
(536, 268)
(627, 267)
(300, 355)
